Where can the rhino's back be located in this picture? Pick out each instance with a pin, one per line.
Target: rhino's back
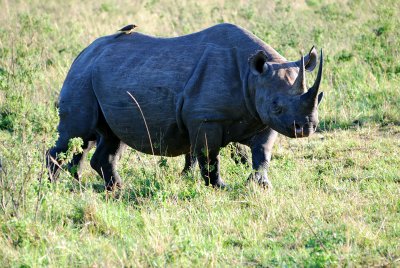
(222, 36)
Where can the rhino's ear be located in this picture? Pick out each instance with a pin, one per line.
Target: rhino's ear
(310, 60)
(257, 62)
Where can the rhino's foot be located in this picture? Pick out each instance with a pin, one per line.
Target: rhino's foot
(220, 184)
(190, 163)
(261, 179)
(186, 172)
(114, 186)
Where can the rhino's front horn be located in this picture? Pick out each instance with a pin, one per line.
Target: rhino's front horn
(299, 85)
(309, 99)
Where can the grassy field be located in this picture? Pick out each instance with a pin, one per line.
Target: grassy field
(336, 197)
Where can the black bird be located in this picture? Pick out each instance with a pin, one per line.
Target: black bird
(128, 29)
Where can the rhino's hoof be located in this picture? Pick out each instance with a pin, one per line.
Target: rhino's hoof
(111, 187)
(220, 185)
(265, 184)
(263, 181)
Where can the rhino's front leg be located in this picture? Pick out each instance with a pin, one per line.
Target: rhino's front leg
(206, 142)
(261, 149)
(209, 168)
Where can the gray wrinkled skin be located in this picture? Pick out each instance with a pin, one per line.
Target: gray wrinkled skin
(197, 93)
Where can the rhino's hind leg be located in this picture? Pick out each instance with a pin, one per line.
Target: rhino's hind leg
(78, 119)
(190, 163)
(75, 166)
(105, 159)
(52, 162)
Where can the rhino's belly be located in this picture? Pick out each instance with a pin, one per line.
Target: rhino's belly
(146, 120)
(152, 134)
(162, 140)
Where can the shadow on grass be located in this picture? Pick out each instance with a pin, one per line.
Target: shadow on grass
(326, 125)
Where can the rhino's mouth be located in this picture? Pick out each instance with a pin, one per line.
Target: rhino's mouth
(303, 131)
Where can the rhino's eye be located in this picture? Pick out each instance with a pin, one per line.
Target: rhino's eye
(276, 108)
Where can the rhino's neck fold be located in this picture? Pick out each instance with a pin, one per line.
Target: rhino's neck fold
(250, 95)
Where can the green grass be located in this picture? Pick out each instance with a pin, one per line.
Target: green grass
(336, 194)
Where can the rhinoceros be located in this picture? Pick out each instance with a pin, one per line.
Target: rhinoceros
(191, 94)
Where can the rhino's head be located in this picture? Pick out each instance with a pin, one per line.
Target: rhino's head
(282, 99)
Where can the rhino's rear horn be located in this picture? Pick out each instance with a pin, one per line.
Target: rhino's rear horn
(299, 85)
(310, 98)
